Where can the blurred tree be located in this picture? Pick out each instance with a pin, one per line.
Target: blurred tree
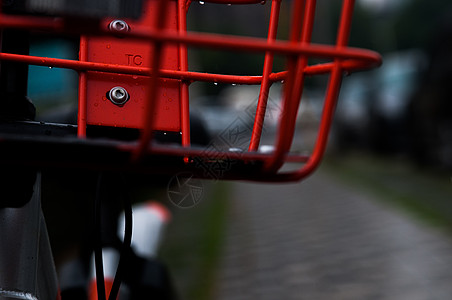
(430, 114)
(417, 21)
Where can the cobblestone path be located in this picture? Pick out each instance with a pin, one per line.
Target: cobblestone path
(323, 240)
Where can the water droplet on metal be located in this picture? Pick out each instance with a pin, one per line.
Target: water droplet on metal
(235, 150)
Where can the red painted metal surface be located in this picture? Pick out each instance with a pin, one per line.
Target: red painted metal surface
(150, 62)
(119, 50)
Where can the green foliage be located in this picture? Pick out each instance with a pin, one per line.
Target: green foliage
(193, 243)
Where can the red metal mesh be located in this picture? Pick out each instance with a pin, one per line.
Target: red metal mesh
(155, 36)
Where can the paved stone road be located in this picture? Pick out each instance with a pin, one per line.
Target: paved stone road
(322, 240)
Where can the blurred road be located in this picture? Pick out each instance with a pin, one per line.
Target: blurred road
(323, 240)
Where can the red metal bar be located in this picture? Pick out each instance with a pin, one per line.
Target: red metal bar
(368, 59)
(345, 23)
(204, 39)
(330, 101)
(266, 82)
(235, 1)
(324, 68)
(82, 110)
(301, 64)
(249, 44)
(298, 9)
(293, 90)
(183, 63)
(252, 44)
(197, 152)
(325, 125)
(31, 22)
(156, 54)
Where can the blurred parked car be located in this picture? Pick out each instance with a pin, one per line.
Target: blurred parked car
(372, 108)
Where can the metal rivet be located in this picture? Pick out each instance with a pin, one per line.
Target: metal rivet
(119, 26)
(118, 95)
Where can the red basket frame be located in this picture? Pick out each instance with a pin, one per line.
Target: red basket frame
(136, 156)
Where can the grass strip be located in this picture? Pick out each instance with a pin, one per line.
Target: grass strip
(193, 243)
(423, 193)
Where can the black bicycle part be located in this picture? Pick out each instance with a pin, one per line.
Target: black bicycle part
(105, 209)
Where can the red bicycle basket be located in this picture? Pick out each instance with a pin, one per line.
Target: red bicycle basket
(135, 73)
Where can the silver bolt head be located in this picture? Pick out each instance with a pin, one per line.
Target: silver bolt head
(119, 26)
(118, 95)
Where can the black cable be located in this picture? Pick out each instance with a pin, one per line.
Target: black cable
(98, 242)
(125, 248)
